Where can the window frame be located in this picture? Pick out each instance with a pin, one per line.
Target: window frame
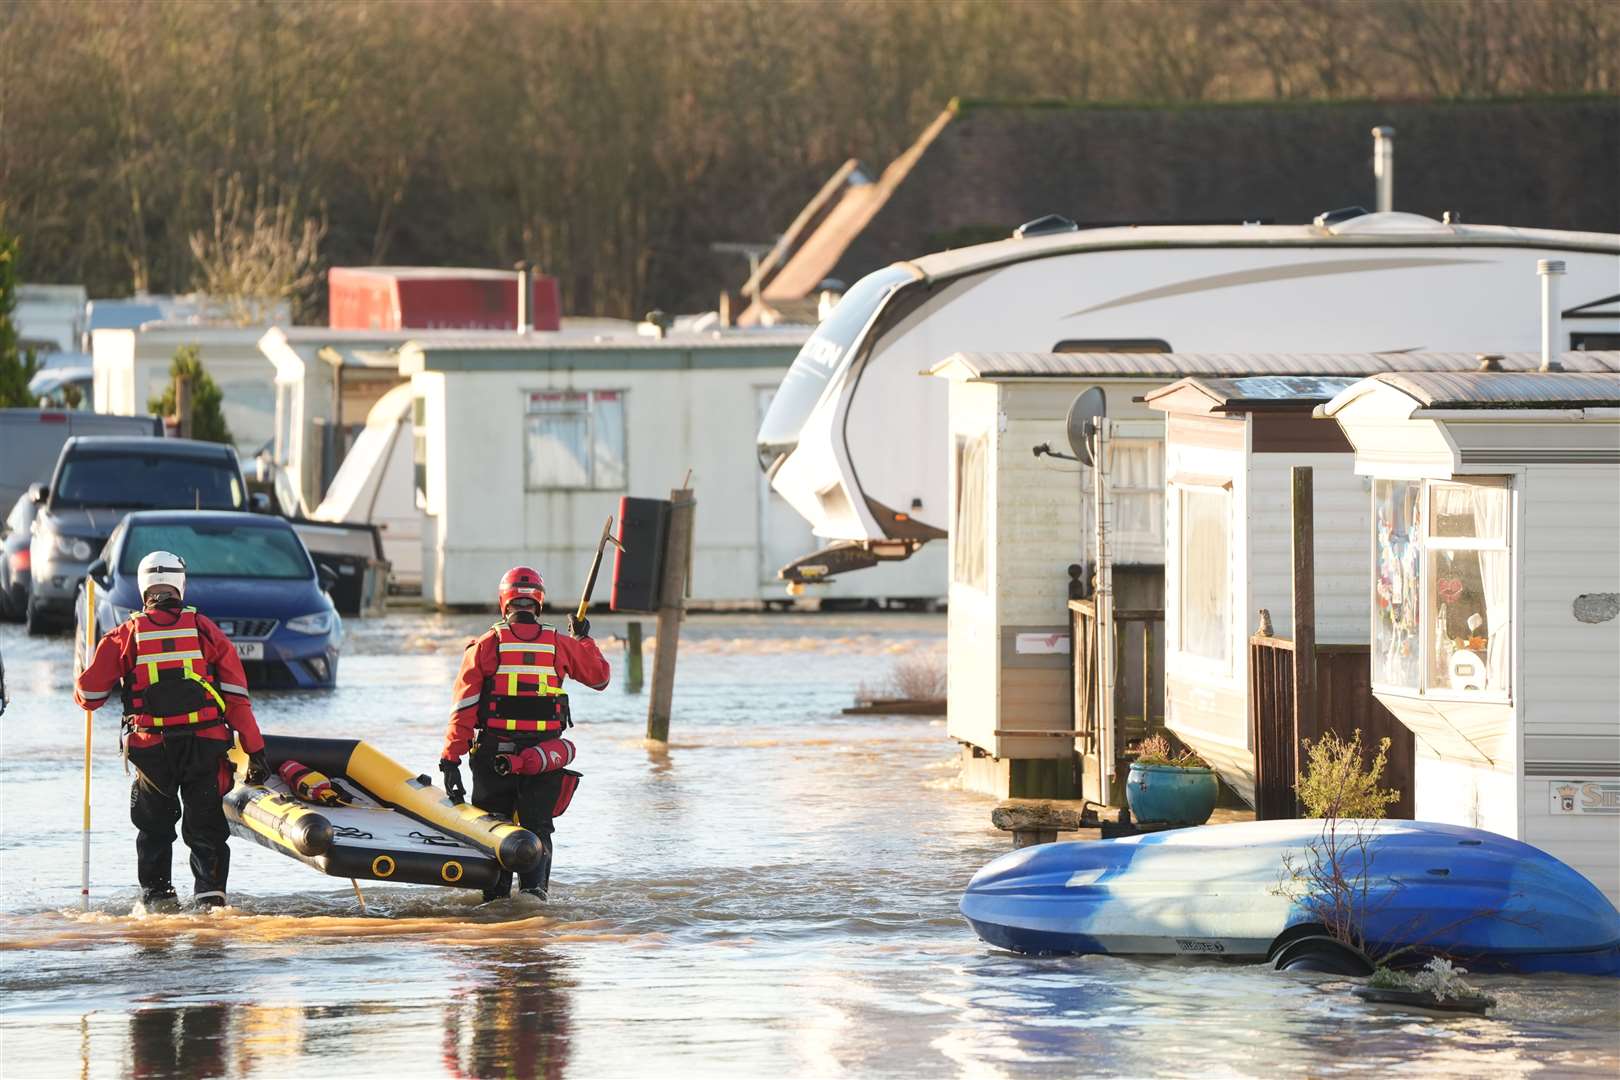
(590, 398)
(1430, 545)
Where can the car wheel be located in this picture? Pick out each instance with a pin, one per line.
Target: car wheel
(39, 623)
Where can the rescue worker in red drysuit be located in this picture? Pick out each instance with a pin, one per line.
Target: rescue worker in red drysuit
(184, 693)
(509, 697)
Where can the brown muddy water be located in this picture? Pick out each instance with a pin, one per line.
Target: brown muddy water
(773, 895)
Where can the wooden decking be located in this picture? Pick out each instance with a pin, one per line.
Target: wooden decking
(1042, 821)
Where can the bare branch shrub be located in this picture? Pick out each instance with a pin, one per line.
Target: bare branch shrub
(257, 254)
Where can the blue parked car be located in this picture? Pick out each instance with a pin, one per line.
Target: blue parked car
(250, 573)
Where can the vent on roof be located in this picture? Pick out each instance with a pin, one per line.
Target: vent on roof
(1044, 226)
(1344, 213)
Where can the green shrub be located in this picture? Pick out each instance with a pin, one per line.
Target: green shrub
(16, 365)
(207, 417)
(1337, 782)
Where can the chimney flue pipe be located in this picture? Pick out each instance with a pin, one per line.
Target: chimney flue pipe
(524, 294)
(1384, 167)
(1550, 271)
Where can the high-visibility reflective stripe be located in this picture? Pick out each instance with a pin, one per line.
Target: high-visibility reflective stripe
(465, 702)
(232, 688)
(154, 659)
(526, 725)
(95, 695)
(526, 669)
(158, 635)
(533, 647)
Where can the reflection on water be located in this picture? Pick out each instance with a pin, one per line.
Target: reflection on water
(514, 1021)
(772, 894)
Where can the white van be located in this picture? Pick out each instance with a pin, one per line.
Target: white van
(31, 440)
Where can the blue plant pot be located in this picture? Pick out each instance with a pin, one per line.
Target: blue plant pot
(1169, 793)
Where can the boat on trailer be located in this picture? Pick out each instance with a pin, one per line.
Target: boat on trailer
(1243, 891)
(352, 812)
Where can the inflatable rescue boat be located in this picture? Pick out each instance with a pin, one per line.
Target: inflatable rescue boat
(347, 810)
(1489, 902)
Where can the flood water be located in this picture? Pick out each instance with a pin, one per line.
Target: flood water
(773, 895)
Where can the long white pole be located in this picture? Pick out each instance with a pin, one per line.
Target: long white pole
(89, 654)
(1105, 611)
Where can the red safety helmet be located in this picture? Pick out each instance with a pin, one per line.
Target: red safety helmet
(522, 581)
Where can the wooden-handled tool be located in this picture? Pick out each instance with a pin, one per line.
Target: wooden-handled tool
(596, 565)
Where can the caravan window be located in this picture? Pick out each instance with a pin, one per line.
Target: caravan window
(1441, 586)
(575, 439)
(1136, 486)
(972, 490)
(1204, 530)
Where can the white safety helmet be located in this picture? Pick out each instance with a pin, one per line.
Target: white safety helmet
(162, 568)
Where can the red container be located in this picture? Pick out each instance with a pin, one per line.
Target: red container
(431, 297)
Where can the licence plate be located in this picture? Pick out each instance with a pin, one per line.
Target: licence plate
(249, 650)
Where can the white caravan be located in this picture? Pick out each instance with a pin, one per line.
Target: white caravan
(856, 442)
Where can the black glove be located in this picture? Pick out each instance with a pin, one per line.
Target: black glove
(578, 628)
(453, 786)
(258, 768)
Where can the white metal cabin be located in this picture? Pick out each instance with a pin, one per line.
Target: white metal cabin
(852, 440)
(326, 382)
(1230, 446)
(132, 367)
(525, 444)
(1023, 523)
(1496, 583)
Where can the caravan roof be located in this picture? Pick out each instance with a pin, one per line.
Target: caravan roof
(1394, 229)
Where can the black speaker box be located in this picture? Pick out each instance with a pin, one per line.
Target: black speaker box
(638, 567)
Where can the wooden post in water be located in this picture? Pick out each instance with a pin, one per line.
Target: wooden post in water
(1304, 655)
(632, 649)
(671, 605)
(182, 405)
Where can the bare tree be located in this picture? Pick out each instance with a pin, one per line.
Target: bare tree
(257, 254)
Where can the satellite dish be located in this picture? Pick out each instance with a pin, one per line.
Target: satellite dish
(1082, 421)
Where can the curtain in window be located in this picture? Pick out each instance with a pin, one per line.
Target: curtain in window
(1490, 507)
(558, 450)
(1205, 588)
(1138, 483)
(972, 460)
(607, 439)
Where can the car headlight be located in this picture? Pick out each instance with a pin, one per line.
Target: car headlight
(71, 547)
(318, 623)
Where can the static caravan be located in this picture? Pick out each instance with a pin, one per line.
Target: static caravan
(525, 444)
(853, 437)
(132, 367)
(1026, 520)
(1230, 449)
(326, 382)
(1495, 578)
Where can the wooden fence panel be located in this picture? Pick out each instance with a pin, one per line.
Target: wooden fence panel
(1271, 712)
(1344, 704)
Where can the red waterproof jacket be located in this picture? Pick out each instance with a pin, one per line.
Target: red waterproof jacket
(115, 659)
(575, 658)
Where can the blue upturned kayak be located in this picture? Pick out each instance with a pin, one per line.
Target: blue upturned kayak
(1490, 903)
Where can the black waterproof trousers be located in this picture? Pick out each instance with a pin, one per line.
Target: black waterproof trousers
(179, 777)
(528, 800)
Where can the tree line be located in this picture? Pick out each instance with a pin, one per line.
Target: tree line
(149, 145)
